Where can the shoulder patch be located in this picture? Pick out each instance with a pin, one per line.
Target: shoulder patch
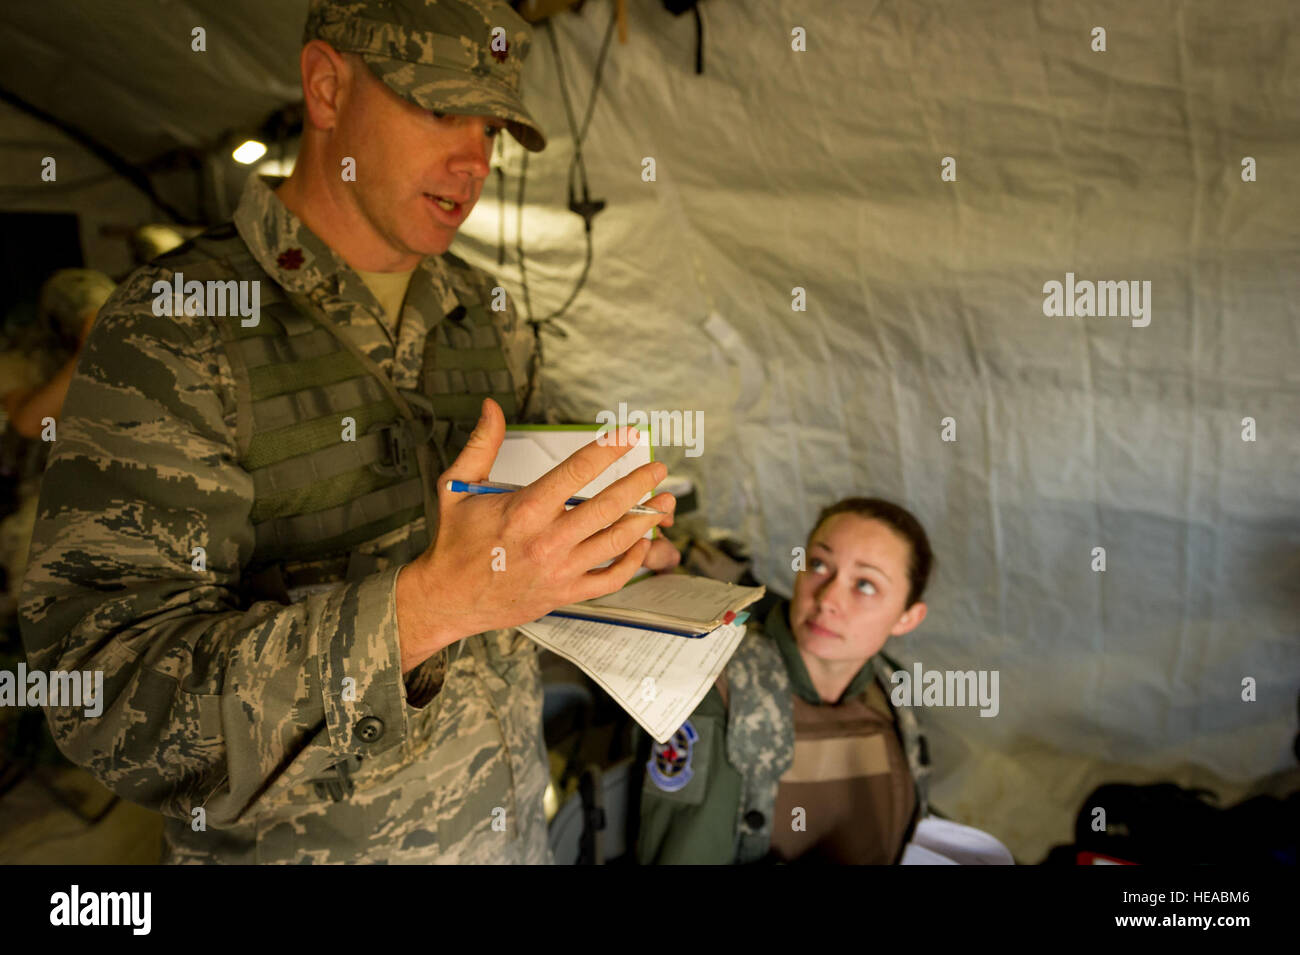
(669, 766)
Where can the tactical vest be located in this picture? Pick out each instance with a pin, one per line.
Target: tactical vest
(318, 499)
(760, 740)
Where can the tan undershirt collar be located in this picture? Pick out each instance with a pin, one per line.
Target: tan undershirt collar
(390, 289)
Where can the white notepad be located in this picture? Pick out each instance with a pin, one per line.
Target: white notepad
(680, 670)
(531, 450)
(622, 660)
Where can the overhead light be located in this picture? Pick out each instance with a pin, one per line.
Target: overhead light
(249, 152)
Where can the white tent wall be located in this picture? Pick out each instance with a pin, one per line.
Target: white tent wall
(778, 169)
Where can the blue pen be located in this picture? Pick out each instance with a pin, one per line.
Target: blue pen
(490, 487)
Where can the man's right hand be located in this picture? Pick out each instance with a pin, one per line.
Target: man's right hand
(452, 590)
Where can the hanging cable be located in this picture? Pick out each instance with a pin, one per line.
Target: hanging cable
(586, 207)
(535, 366)
(699, 40)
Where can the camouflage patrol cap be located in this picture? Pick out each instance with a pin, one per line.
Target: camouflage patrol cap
(69, 295)
(453, 56)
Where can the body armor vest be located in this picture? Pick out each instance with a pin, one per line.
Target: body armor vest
(319, 497)
(760, 740)
(323, 505)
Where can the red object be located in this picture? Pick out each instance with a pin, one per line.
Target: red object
(731, 615)
(1096, 858)
(290, 259)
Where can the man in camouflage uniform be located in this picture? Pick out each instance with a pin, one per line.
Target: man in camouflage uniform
(307, 658)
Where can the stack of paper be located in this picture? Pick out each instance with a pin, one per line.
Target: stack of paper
(675, 603)
(658, 678)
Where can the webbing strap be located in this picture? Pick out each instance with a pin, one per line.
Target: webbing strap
(490, 358)
(318, 495)
(269, 381)
(422, 449)
(466, 407)
(273, 446)
(286, 411)
(337, 458)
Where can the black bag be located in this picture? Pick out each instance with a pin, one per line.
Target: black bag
(1165, 823)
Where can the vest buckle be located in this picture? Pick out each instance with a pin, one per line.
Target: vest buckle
(398, 450)
(339, 786)
(402, 437)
